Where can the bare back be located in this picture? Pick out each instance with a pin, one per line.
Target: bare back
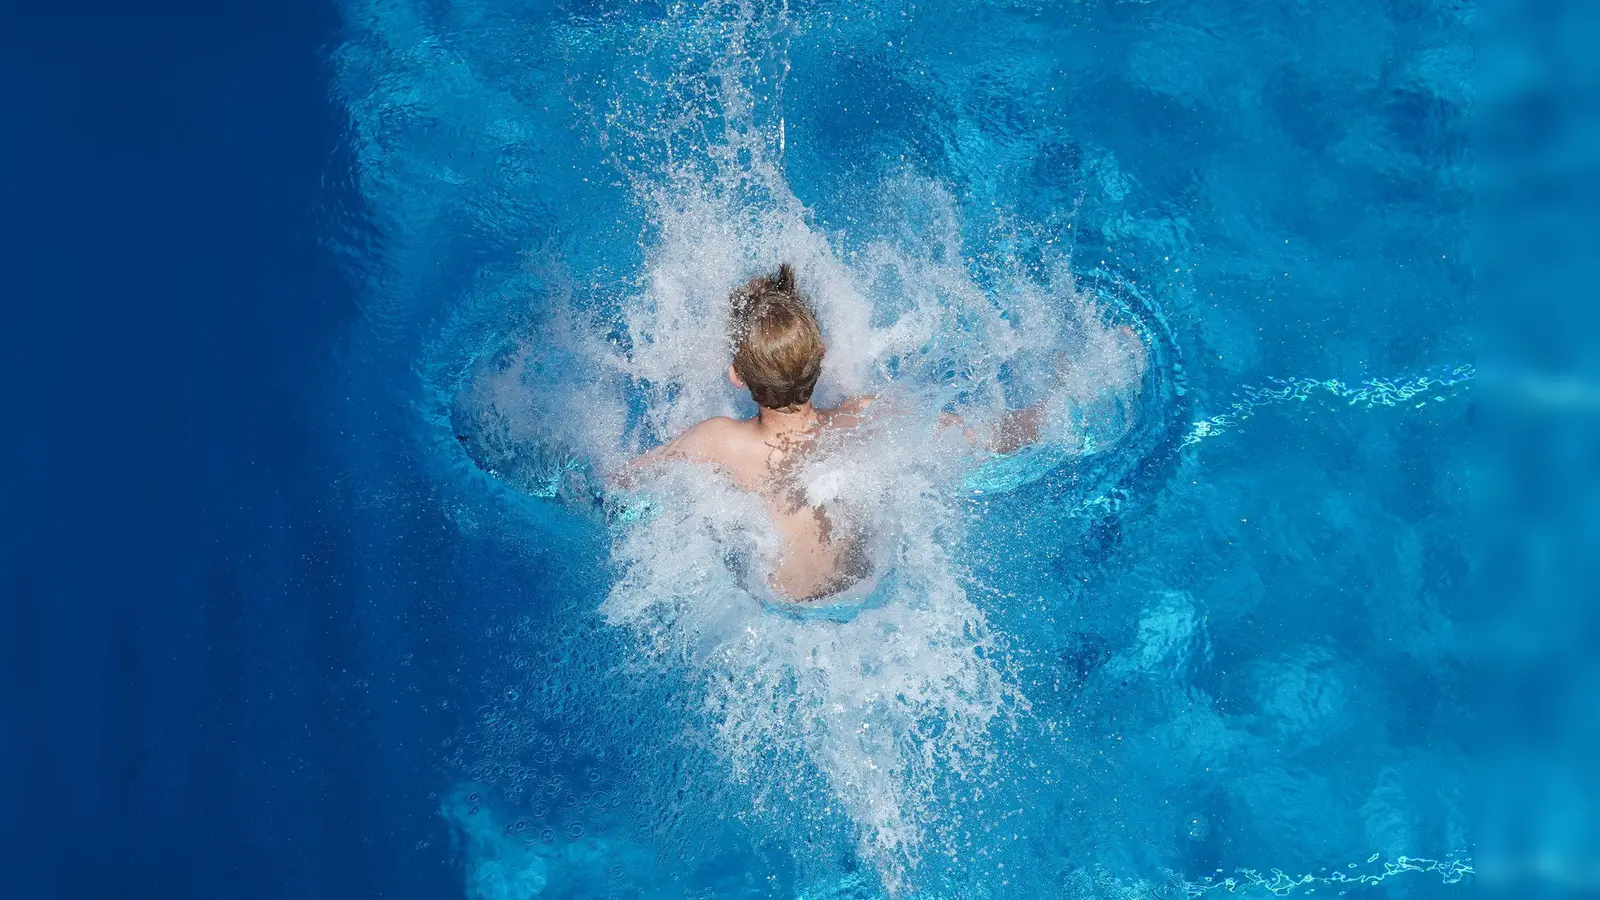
(761, 455)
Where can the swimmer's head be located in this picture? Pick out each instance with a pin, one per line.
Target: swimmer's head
(777, 346)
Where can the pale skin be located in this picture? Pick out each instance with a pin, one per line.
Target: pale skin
(759, 452)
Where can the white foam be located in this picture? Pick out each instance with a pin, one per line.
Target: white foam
(905, 693)
(902, 697)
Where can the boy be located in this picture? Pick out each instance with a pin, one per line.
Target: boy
(777, 356)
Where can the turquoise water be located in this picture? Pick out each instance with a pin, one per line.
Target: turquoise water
(1209, 645)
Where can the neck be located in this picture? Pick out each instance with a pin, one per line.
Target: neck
(782, 421)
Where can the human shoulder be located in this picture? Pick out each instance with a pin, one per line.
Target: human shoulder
(706, 442)
(716, 425)
(707, 439)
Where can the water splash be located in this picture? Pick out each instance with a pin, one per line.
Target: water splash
(891, 709)
(1451, 870)
(1435, 387)
(683, 108)
(887, 706)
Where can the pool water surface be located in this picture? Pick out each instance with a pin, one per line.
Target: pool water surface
(1219, 652)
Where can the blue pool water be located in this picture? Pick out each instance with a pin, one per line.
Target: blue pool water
(1222, 653)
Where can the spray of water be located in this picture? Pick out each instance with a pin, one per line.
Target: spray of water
(887, 708)
(904, 693)
(901, 697)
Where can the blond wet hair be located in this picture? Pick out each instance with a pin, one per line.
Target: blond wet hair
(777, 346)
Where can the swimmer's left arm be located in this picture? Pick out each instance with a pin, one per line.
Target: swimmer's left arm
(627, 476)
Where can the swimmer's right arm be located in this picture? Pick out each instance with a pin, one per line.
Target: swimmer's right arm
(1016, 429)
(1020, 428)
(851, 412)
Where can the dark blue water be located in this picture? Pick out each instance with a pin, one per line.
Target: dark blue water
(193, 623)
(268, 632)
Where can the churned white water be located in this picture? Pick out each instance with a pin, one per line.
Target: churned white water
(560, 198)
(905, 693)
(899, 701)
